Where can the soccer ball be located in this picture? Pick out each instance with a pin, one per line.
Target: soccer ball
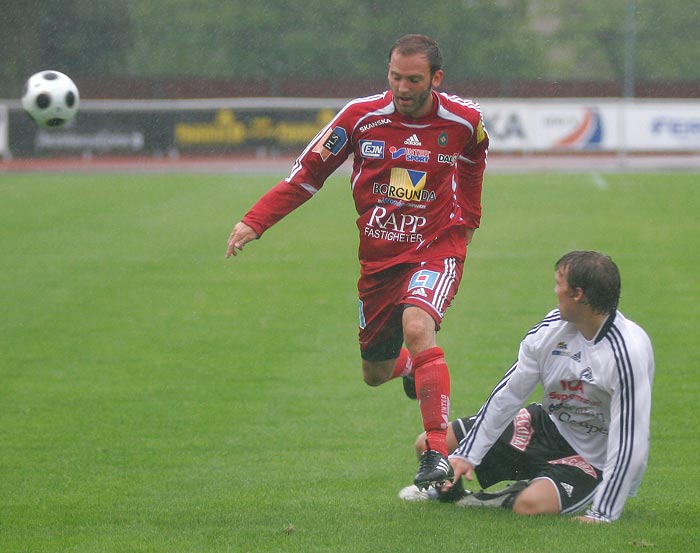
(50, 98)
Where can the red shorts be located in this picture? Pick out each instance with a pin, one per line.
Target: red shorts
(430, 285)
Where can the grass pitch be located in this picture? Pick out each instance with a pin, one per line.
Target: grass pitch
(156, 397)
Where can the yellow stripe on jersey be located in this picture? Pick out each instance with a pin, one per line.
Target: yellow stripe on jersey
(480, 133)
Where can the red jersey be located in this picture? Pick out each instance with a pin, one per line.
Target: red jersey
(416, 183)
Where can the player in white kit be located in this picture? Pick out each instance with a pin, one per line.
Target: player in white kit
(587, 443)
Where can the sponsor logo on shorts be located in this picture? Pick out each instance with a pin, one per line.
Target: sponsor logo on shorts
(522, 430)
(361, 309)
(578, 462)
(423, 279)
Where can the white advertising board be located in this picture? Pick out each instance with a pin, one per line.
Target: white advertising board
(592, 125)
(668, 126)
(4, 124)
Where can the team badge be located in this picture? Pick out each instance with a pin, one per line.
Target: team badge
(442, 139)
(587, 374)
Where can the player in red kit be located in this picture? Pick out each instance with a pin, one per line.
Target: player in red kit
(419, 159)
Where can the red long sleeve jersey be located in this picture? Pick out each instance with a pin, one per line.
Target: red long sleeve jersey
(416, 183)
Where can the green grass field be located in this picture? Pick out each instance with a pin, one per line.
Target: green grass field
(155, 397)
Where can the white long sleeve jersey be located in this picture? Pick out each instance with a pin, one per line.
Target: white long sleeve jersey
(597, 392)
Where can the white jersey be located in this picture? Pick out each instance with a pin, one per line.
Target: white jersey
(597, 392)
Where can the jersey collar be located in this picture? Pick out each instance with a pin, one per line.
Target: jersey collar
(605, 327)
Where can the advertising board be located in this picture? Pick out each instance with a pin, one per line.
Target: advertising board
(272, 126)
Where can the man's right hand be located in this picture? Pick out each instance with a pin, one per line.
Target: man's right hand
(240, 236)
(461, 467)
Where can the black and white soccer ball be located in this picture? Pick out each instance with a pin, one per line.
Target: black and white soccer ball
(50, 98)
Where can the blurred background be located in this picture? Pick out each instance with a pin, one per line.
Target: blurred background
(336, 48)
(145, 71)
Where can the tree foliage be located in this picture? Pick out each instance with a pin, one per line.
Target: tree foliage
(592, 34)
(496, 40)
(73, 36)
(333, 39)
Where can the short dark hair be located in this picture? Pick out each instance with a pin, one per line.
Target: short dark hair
(596, 274)
(419, 44)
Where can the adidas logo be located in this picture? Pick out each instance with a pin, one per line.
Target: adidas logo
(412, 141)
(568, 488)
(443, 465)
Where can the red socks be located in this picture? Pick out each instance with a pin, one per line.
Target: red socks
(433, 388)
(404, 364)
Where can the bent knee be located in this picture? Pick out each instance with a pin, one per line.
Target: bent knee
(537, 500)
(375, 376)
(377, 373)
(523, 506)
(373, 379)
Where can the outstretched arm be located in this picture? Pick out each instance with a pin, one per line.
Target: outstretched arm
(311, 169)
